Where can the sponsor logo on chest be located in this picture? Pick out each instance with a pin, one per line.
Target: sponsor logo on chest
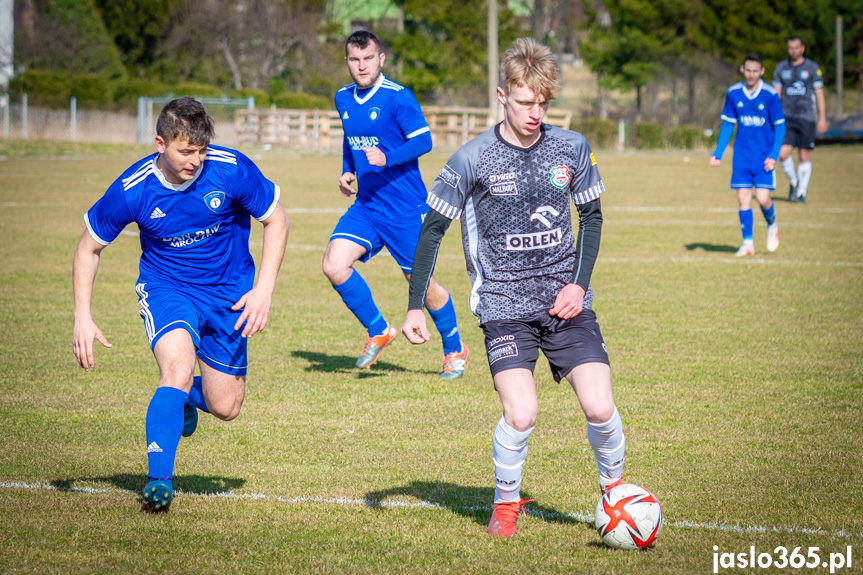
(191, 237)
(359, 142)
(502, 184)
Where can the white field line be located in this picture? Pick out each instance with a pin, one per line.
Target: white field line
(578, 516)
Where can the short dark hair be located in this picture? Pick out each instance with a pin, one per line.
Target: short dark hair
(792, 38)
(361, 39)
(753, 57)
(186, 117)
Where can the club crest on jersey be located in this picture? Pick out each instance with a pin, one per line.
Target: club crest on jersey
(214, 201)
(560, 176)
(374, 113)
(804, 74)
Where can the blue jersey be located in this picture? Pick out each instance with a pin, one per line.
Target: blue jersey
(756, 116)
(387, 116)
(195, 233)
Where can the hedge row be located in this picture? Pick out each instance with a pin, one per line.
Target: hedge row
(602, 134)
(53, 89)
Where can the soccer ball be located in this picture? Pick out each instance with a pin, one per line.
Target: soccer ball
(628, 517)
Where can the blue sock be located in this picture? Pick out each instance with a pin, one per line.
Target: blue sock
(357, 296)
(164, 426)
(769, 214)
(746, 223)
(446, 323)
(196, 395)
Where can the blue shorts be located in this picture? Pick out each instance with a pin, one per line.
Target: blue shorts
(373, 231)
(207, 317)
(749, 176)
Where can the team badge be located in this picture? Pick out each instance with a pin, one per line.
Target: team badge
(804, 74)
(214, 200)
(374, 113)
(560, 176)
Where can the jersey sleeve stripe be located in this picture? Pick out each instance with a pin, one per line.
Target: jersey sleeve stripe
(729, 119)
(93, 234)
(416, 133)
(269, 212)
(589, 194)
(145, 169)
(779, 121)
(141, 177)
(443, 208)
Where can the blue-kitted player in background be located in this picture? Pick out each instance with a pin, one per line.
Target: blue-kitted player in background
(192, 202)
(385, 134)
(755, 108)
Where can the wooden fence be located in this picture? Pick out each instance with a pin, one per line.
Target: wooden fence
(450, 127)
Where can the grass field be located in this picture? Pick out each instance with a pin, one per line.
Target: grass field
(740, 384)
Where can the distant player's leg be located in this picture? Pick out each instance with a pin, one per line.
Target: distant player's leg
(804, 173)
(768, 210)
(517, 391)
(744, 200)
(592, 384)
(175, 355)
(355, 293)
(787, 162)
(440, 307)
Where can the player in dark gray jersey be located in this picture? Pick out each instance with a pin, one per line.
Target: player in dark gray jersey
(801, 88)
(512, 188)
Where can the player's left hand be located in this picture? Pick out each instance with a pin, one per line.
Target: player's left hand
(769, 164)
(569, 302)
(414, 328)
(715, 162)
(256, 311)
(375, 156)
(821, 127)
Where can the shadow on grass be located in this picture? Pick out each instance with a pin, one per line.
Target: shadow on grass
(471, 502)
(711, 248)
(199, 484)
(344, 364)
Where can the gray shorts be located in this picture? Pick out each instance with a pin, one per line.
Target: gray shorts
(515, 343)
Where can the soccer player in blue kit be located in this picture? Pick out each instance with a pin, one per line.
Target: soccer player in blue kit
(192, 202)
(385, 134)
(754, 107)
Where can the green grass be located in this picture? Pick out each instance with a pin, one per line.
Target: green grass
(740, 384)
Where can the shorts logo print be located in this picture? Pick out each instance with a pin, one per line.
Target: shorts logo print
(502, 351)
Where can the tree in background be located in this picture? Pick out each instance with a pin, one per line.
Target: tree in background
(66, 35)
(137, 27)
(443, 49)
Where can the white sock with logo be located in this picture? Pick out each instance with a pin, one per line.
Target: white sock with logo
(509, 450)
(609, 447)
(804, 172)
(788, 167)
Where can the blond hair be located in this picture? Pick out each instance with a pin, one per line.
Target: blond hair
(530, 64)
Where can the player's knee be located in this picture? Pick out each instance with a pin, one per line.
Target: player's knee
(226, 408)
(335, 271)
(599, 413)
(522, 419)
(178, 376)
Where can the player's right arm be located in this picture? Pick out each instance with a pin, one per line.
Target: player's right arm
(729, 119)
(348, 171)
(85, 330)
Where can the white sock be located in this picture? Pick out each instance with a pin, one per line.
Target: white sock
(609, 448)
(509, 450)
(804, 172)
(788, 168)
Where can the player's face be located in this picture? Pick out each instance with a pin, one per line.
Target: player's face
(178, 159)
(365, 64)
(752, 72)
(523, 112)
(795, 50)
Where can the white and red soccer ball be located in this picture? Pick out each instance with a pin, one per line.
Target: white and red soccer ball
(628, 517)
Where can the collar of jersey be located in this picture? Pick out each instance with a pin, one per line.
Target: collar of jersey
(755, 93)
(372, 90)
(513, 146)
(177, 187)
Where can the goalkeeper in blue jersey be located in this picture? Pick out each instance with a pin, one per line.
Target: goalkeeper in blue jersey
(754, 107)
(385, 134)
(193, 203)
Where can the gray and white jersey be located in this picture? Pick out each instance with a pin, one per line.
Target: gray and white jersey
(515, 217)
(797, 85)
